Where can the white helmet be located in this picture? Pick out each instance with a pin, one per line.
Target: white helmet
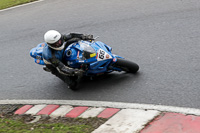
(54, 39)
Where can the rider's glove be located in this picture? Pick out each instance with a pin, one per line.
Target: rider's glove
(87, 37)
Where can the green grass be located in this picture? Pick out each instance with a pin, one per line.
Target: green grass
(18, 126)
(10, 3)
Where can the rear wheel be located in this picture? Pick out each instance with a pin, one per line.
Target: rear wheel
(72, 82)
(126, 65)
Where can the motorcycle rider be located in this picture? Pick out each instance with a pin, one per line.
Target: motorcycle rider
(53, 54)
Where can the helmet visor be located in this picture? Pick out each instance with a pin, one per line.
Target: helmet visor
(56, 44)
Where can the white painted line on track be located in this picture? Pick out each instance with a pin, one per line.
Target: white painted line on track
(127, 121)
(21, 5)
(183, 110)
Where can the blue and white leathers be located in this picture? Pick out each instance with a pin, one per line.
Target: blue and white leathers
(36, 53)
(47, 54)
(43, 53)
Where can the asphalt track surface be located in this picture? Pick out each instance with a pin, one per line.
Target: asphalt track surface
(161, 36)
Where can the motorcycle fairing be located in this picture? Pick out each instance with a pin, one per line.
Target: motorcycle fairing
(97, 55)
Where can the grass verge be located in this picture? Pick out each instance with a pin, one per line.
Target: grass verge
(17, 126)
(21, 124)
(10, 3)
(10, 123)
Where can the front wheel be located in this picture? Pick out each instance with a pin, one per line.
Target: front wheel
(126, 65)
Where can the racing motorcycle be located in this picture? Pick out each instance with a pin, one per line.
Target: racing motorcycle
(91, 58)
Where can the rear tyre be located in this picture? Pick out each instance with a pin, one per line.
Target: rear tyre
(72, 82)
(126, 65)
(73, 86)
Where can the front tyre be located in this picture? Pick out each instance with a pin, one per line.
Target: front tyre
(126, 65)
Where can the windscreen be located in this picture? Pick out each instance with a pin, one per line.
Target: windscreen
(88, 51)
